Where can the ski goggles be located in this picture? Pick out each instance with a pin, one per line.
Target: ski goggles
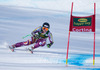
(45, 28)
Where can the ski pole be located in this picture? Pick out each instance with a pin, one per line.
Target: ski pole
(26, 36)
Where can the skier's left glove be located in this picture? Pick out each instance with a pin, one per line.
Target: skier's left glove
(49, 45)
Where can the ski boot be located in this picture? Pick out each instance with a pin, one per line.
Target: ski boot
(11, 48)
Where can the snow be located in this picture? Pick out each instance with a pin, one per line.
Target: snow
(16, 22)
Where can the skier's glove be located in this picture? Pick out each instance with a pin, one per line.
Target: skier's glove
(49, 45)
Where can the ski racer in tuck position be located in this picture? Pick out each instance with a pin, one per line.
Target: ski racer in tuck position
(38, 38)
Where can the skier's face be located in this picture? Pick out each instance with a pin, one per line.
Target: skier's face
(45, 29)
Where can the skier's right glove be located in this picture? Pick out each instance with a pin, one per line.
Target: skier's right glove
(49, 45)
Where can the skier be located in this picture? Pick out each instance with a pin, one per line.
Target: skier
(38, 38)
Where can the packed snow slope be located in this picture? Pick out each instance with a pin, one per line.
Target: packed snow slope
(16, 22)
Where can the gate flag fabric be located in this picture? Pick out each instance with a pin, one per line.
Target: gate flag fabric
(82, 24)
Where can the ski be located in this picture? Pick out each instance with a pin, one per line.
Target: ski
(30, 50)
(12, 49)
